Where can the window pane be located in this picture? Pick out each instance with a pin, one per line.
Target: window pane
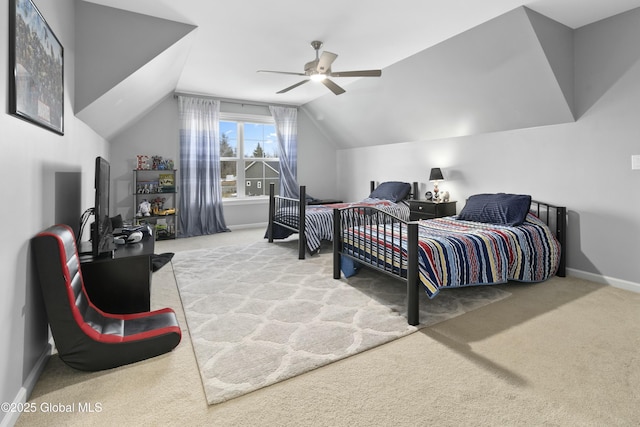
(228, 139)
(258, 175)
(253, 176)
(249, 158)
(260, 140)
(229, 182)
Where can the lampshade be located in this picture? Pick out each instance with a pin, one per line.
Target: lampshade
(436, 174)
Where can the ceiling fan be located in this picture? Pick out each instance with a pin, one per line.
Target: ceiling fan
(320, 70)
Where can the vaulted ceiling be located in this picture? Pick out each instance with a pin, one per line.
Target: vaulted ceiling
(128, 62)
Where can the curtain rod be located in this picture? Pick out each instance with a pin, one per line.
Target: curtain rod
(233, 101)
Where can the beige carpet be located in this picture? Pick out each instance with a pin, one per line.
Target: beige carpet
(257, 315)
(559, 353)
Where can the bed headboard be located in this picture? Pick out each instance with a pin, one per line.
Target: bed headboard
(415, 194)
(556, 218)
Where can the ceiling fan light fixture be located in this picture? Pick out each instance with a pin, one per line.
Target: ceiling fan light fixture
(317, 77)
(319, 70)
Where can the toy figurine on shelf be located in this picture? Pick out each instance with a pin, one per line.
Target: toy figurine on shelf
(155, 162)
(157, 205)
(144, 209)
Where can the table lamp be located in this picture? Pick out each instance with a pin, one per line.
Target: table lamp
(435, 176)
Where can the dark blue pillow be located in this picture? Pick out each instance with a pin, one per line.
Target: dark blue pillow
(500, 208)
(391, 190)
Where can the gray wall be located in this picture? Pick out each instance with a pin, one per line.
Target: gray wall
(157, 133)
(47, 178)
(584, 165)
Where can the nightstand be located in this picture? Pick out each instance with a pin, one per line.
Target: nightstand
(424, 209)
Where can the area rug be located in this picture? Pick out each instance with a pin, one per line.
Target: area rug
(257, 315)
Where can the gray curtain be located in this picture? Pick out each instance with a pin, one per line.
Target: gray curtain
(286, 119)
(200, 208)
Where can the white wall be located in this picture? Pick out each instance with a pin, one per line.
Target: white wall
(584, 165)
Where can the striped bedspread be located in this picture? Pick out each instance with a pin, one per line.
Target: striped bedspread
(319, 218)
(454, 253)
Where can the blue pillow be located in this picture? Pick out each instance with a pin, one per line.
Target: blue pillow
(500, 208)
(393, 191)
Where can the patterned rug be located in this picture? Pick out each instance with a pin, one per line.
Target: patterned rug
(257, 315)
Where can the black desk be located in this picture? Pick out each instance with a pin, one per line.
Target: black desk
(120, 283)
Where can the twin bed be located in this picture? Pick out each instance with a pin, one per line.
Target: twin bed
(313, 222)
(495, 238)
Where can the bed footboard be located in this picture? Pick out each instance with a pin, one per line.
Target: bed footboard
(358, 230)
(289, 214)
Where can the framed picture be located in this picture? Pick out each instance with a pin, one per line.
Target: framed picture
(167, 184)
(36, 61)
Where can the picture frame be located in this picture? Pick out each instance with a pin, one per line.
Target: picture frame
(36, 61)
(166, 182)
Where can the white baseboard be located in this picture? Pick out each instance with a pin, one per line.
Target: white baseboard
(245, 226)
(617, 283)
(11, 418)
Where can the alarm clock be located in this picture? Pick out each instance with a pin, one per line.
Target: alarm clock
(428, 195)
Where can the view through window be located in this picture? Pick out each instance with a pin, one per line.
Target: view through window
(249, 159)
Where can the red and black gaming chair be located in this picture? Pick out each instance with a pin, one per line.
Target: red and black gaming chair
(86, 337)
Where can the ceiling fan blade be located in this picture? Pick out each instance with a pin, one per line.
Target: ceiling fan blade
(287, 89)
(282, 72)
(325, 61)
(361, 73)
(333, 87)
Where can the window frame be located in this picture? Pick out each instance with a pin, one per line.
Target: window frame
(240, 159)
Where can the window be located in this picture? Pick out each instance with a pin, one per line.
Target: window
(248, 155)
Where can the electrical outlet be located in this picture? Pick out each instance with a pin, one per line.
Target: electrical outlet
(635, 161)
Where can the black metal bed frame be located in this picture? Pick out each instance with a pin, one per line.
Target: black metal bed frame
(298, 225)
(278, 203)
(407, 270)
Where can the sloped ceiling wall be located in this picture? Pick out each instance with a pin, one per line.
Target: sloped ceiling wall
(126, 63)
(512, 72)
(605, 52)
